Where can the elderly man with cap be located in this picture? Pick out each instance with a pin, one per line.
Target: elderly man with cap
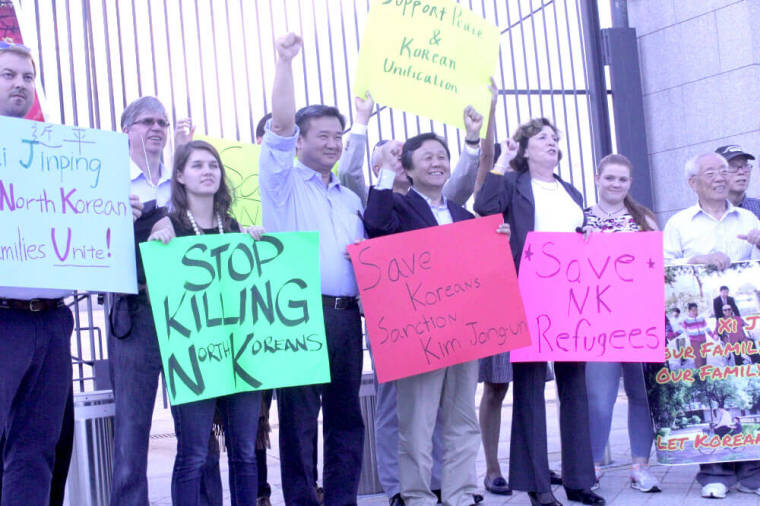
(715, 232)
(739, 172)
(35, 327)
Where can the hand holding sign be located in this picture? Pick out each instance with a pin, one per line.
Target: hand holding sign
(719, 260)
(363, 108)
(134, 201)
(752, 237)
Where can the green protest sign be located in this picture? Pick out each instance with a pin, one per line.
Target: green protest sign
(234, 315)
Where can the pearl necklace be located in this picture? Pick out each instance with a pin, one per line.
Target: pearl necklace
(195, 225)
(610, 214)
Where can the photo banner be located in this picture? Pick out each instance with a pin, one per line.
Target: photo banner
(235, 315)
(241, 166)
(65, 216)
(705, 397)
(428, 57)
(439, 296)
(593, 301)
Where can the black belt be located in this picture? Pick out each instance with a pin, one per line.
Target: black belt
(33, 305)
(340, 302)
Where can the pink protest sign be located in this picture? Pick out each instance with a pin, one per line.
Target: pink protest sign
(599, 300)
(439, 296)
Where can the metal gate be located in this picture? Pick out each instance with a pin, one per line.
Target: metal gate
(213, 60)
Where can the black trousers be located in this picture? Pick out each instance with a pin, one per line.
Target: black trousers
(62, 455)
(342, 424)
(528, 458)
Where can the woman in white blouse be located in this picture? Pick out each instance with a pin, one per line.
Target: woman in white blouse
(531, 196)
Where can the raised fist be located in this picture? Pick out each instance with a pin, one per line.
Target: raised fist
(288, 46)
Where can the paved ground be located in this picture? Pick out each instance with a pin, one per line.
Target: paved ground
(678, 482)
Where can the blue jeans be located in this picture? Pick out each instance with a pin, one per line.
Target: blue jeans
(602, 381)
(192, 424)
(135, 362)
(35, 380)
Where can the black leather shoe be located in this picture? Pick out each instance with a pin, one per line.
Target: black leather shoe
(535, 502)
(584, 496)
(477, 498)
(555, 478)
(498, 486)
(396, 500)
(437, 493)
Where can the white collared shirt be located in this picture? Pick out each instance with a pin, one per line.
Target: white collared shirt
(146, 190)
(441, 212)
(693, 232)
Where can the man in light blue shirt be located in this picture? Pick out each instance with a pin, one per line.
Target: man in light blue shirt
(303, 196)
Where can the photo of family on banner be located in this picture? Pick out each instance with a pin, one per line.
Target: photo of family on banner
(705, 399)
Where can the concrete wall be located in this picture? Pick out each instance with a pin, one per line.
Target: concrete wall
(700, 66)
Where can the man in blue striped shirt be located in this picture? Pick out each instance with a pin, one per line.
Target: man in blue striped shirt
(304, 195)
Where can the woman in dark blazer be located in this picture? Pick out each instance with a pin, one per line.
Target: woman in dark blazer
(531, 197)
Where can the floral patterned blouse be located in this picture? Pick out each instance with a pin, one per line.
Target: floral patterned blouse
(621, 223)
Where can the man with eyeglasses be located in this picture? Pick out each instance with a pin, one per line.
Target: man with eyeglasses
(715, 232)
(133, 351)
(739, 173)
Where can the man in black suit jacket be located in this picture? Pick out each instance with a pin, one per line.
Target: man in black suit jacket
(721, 300)
(425, 160)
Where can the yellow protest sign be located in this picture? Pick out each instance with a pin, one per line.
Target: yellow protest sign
(241, 166)
(427, 57)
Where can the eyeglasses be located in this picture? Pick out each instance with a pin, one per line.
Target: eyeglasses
(712, 173)
(745, 167)
(149, 122)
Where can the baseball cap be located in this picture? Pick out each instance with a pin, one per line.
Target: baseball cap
(732, 151)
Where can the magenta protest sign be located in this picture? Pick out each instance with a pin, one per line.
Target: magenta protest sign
(597, 300)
